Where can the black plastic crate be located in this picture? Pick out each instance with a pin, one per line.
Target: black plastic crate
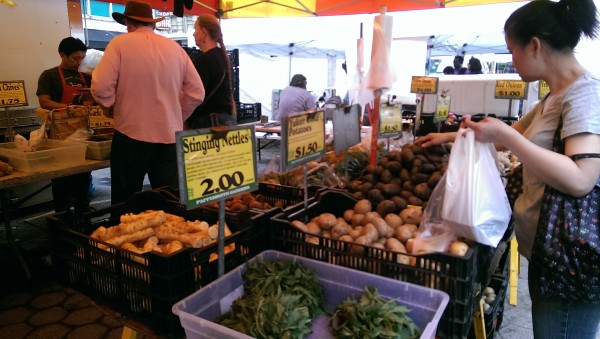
(234, 57)
(494, 315)
(143, 285)
(235, 84)
(454, 275)
(248, 112)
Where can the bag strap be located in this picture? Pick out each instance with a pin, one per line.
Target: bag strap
(585, 156)
(559, 146)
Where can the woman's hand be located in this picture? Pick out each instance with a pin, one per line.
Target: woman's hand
(488, 130)
(432, 139)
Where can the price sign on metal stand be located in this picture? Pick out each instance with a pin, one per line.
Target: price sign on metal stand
(424, 85)
(442, 108)
(215, 164)
(303, 138)
(543, 90)
(390, 120)
(510, 89)
(12, 93)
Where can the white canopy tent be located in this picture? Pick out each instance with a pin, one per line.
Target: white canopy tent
(320, 41)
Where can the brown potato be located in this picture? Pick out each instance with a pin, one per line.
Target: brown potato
(362, 206)
(393, 220)
(300, 225)
(348, 215)
(411, 215)
(405, 232)
(327, 221)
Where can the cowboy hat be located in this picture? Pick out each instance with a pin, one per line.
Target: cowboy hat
(136, 10)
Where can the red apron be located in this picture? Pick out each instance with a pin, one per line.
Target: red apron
(69, 92)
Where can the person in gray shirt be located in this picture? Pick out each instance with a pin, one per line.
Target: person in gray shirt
(295, 98)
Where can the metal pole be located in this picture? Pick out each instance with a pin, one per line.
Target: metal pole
(221, 238)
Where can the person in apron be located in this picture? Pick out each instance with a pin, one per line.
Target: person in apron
(57, 88)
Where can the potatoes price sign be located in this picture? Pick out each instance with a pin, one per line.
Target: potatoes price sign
(510, 89)
(12, 93)
(424, 85)
(215, 165)
(442, 108)
(304, 138)
(390, 120)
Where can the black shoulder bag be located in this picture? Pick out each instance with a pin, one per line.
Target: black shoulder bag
(567, 242)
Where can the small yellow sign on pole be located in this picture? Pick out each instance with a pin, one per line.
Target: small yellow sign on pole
(424, 85)
(12, 93)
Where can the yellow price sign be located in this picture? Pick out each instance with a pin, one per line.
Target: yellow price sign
(101, 121)
(544, 89)
(304, 137)
(12, 93)
(390, 120)
(510, 89)
(424, 85)
(442, 109)
(216, 165)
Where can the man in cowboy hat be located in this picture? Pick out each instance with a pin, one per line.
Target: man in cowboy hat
(150, 85)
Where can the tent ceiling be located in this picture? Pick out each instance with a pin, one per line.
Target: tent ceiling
(278, 8)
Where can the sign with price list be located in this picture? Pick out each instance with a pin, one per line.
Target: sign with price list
(510, 89)
(303, 138)
(12, 93)
(424, 85)
(390, 120)
(215, 165)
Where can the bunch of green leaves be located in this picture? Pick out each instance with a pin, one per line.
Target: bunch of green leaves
(281, 299)
(372, 316)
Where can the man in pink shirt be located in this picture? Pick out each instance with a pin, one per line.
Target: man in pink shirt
(149, 85)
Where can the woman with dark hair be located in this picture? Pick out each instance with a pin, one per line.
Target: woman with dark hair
(541, 36)
(458, 65)
(448, 70)
(474, 66)
(214, 68)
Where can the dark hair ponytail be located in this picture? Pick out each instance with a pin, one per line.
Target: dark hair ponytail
(560, 24)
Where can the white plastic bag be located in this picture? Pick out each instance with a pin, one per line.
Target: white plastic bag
(91, 60)
(475, 202)
(435, 235)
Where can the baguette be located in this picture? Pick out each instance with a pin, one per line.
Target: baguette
(191, 239)
(133, 237)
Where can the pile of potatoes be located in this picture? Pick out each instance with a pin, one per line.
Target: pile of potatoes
(401, 178)
(362, 226)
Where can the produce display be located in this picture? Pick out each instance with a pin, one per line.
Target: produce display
(401, 178)
(246, 201)
(159, 232)
(363, 227)
(282, 299)
(318, 174)
(372, 316)
(5, 168)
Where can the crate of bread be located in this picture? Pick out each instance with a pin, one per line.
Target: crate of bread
(145, 254)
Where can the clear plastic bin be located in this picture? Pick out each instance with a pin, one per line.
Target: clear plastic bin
(198, 311)
(98, 150)
(51, 154)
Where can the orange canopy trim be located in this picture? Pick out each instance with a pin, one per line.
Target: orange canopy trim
(199, 6)
(285, 8)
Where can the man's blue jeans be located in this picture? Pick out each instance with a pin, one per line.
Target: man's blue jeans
(559, 318)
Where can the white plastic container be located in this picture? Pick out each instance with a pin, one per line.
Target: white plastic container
(51, 154)
(198, 311)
